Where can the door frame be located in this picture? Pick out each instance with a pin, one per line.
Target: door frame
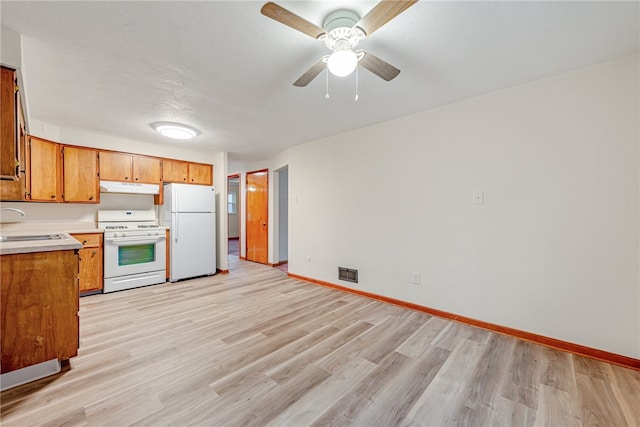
(246, 212)
(239, 214)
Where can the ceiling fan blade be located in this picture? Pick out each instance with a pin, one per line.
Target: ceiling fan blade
(292, 20)
(382, 13)
(310, 74)
(377, 66)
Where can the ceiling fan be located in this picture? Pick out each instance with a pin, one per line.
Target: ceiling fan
(342, 31)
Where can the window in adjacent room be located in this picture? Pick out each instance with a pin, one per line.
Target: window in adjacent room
(232, 203)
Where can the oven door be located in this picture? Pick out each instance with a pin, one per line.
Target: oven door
(133, 255)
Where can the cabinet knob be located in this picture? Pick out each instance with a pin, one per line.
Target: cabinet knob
(90, 197)
(53, 196)
(126, 178)
(84, 242)
(136, 179)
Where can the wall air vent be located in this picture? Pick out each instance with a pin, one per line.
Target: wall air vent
(348, 274)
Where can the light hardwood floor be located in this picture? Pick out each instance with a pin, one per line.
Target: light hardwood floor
(257, 348)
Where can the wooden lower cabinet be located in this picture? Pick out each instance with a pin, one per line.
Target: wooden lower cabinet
(91, 276)
(39, 297)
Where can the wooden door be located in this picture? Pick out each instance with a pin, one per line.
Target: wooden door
(257, 216)
(116, 166)
(44, 167)
(80, 175)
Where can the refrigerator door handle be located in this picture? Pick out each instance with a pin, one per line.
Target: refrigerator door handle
(177, 227)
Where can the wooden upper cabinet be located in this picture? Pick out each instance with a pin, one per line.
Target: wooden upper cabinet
(43, 158)
(12, 189)
(200, 173)
(9, 149)
(80, 175)
(175, 171)
(116, 166)
(186, 172)
(129, 168)
(147, 169)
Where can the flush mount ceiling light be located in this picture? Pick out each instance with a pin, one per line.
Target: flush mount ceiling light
(175, 130)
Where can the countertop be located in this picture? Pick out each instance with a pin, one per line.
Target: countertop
(31, 228)
(64, 243)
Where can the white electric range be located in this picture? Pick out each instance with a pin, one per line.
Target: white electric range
(135, 249)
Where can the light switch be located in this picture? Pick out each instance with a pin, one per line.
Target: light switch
(478, 197)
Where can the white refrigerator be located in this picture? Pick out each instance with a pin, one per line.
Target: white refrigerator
(189, 212)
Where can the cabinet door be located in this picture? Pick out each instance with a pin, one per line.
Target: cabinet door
(80, 175)
(200, 174)
(147, 169)
(116, 166)
(174, 171)
(91, 277)
(44, 167)
(8, 125)
(39, 294)
(12, 189)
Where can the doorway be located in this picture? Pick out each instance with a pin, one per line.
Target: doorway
(257, 216)
(233, 215)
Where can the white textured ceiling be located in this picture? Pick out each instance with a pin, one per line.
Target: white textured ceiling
(115, 67)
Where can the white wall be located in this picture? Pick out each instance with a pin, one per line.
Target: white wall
(283, 214)
(554, 248)
(11, 56)
(10, 49)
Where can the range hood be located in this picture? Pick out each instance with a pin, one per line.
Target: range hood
(128, 187)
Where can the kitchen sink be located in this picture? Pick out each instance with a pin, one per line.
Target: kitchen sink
(31, 238)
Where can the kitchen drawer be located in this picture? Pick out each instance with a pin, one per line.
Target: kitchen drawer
(93, 240)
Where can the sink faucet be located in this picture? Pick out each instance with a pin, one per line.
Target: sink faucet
(22, 214)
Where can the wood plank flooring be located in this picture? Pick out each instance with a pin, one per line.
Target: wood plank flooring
(256, 348)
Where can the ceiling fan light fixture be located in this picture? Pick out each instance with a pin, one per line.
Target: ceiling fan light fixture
(175, 130)
(342, 62)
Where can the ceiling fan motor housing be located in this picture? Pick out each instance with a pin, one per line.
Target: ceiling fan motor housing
(340, 26)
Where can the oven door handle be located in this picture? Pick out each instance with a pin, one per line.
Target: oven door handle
(140, 240)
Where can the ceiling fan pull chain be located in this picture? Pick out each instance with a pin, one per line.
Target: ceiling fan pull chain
(356, 83)
(326, 93)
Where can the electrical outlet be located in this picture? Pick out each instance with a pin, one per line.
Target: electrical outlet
(415, 278)
(307, 258)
